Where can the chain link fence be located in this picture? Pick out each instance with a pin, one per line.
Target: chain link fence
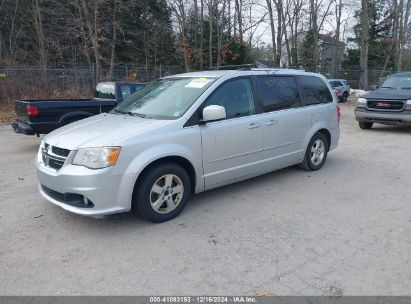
(80, 83)
(68, 83)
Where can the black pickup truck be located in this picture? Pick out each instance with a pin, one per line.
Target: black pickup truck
(390, 104)
(43, 116)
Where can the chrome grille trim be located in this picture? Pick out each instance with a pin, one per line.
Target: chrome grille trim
(51, 158)
(396, 105)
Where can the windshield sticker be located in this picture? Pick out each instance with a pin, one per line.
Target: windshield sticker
(197, 83)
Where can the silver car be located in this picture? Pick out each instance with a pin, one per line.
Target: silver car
(341, 87)
(185, 134)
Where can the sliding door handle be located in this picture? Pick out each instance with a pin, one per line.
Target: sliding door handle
(254, 125)
(271, 122)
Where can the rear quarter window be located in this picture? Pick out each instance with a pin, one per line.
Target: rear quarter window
(278, 92)
(315, 90)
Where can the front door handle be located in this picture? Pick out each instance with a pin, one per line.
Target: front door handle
(254, 125)
(271, 122)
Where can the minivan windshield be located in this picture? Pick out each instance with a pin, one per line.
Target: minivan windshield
(397, 82)
(167, 98)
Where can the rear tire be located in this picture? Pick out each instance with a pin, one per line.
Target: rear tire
(316, 153)
(365, 125)
(344, 97)
(162, 192)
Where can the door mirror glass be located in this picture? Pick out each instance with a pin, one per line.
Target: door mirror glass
(213, 112)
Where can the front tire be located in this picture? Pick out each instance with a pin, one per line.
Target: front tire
(162, 192)
(316, 153)
(365, 125)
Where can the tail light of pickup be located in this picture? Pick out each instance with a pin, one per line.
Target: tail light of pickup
(337, 93)
(32, 110)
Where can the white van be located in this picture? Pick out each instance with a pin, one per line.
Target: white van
(188, 133)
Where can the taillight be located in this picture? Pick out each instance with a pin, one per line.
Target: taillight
(32, 110)
(338, 113)
(337, 93)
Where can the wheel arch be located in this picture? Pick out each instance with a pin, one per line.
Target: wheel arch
(318, 128)
(179, 160)
(77, 114)
(327, 135)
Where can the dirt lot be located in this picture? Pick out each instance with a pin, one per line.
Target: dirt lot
(345, 229)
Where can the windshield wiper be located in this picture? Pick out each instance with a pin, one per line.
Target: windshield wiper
(131, 113)
(406, 88)
(141, 115)
(117, 111)
(387, 87)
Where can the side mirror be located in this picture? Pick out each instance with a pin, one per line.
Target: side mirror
(213, 112)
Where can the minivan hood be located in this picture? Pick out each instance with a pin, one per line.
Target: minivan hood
(101, 130)
(389, 94)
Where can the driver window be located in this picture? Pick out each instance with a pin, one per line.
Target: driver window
(236, 97)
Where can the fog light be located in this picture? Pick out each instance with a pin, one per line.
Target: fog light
(87, 202)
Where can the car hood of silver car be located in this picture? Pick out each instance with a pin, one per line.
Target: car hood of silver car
(102, 130)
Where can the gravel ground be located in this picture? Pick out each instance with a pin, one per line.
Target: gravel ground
(344, 230)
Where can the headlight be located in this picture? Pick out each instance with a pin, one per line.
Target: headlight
(362, 100)
(40, 150)
(96, 158)
(409, 102)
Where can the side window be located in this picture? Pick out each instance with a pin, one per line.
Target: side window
(335, 84)
(315, 90)
(138, 87)
(235, 96)
(125, 91)
(278, 92)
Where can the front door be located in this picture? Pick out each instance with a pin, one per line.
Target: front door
(232, 147)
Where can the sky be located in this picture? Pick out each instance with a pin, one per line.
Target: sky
(263, 32)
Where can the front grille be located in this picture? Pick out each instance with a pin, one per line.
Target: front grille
(60, 151)
(54, 157)
(386, 105)
(55, 163)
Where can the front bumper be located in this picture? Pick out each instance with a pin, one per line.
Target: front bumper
(22, 128)
(388, 118)
(84, 191)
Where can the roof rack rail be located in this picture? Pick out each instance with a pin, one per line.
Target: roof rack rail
(269, 69)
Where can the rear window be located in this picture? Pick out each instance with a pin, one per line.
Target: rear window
(346, 82)
(105, 90)
(315, 90)
(336, 83)
(278, 92)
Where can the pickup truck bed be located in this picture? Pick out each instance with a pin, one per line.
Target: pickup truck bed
(44, 116)
(53, 114)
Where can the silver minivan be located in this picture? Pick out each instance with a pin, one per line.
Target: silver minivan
(185, 134)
